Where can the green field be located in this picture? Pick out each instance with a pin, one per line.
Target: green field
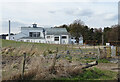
(41, 47)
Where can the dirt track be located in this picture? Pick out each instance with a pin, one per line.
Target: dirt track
(108, 66)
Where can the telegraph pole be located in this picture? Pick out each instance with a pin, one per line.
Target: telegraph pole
(103, 36)
(102, 39)
(9, 30)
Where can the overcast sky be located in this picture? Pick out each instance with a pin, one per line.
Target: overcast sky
(94, 13)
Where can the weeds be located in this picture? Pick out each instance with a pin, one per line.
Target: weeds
(93, 74)
(39, 63)
(103, 61)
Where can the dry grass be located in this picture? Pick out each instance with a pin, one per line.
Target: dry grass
(38, 65)
(40, 68)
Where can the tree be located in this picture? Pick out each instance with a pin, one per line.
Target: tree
(76, 29)
(98, 35)
(63, 26)
(114, 33)
(105, 33)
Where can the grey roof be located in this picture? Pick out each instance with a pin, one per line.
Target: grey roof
(31, 28)
(56, 31)
(32, 38)
(49, 31)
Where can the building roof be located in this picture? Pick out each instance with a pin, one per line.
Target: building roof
(56, 31)
(49, 31)
(31, 28)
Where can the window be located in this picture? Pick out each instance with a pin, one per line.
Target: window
(64, 37)
(38, 34)
(56, 38)
(30, 34)
(48, 37)
(34, 34)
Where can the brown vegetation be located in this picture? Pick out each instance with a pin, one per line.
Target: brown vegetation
(37, 67)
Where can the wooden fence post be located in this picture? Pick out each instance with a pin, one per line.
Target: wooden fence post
(80, 50)
(99, 53)
(52, 68)
(72, 46)
(57, 50)
(23, 67)
(104, 52)
(65, 47)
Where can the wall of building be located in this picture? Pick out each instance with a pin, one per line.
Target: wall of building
(27, 30)
(33, 40)
(65, 41)
(17, 36)
(73, 40)
(51, 39)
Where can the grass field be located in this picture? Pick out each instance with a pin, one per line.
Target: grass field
(41, 47)
(38, 64)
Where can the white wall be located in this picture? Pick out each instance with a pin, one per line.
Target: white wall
(25, 33)
(74, 40)
(56, 42)
(27, 30)
(65, 41)
(81, 40)
(34, 40)
(51, 39)
(17, 36)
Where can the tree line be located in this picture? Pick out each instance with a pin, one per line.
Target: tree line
(92, 35)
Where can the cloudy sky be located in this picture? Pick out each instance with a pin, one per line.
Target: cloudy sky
(94, 13)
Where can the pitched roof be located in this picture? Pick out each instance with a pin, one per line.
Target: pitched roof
(56, 31)
(49, 31)
(31, 28)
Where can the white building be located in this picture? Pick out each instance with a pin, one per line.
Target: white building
(73, 40)
(43, 35)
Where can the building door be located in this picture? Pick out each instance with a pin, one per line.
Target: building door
(63, 42)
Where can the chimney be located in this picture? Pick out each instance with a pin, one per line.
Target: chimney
(9, 30)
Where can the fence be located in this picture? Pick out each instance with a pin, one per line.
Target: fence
(112, 51)
(118, 51)
(79, 53)
(108, 51)
(56, 55)
(75, 52)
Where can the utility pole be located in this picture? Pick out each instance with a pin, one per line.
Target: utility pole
(103, 37)
(9, 30)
